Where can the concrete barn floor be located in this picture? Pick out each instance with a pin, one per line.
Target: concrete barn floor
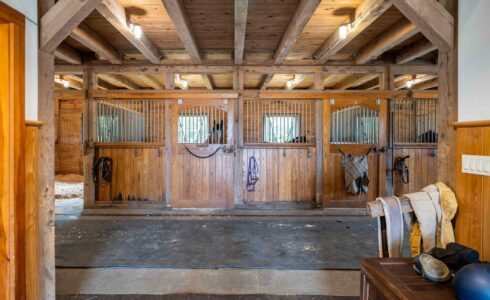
(171, 283)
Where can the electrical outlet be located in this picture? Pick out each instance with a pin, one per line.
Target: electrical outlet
(476, 164)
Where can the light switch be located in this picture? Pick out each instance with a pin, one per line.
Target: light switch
(475, 164)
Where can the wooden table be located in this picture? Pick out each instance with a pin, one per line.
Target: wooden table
(394, 278)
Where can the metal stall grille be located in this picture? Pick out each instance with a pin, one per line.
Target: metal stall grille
(278, 121)
(202, 125)
(130, 121)
(356, 125)
(414, 120)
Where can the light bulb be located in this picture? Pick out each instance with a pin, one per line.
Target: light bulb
(136, 29)
(289, 84)
(343, 30)
(409, 84)
(185, 84)
(66, 83)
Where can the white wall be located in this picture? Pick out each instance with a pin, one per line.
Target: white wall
(473, 60)
(29, 9)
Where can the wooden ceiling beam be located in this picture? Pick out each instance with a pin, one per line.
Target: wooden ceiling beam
(68, 54)
(207, 82)
(119, 80)
(389, 38)
(432, 19)
(298, 22)
(241, 12)
(92, 40)
(414, 51)
(151, 81)
(265, 81)
(355, 80)
(115, 13)
(295, 81)
(367, 12)
(61, 19)
(175, 10)
(416, 79)
(427, 85)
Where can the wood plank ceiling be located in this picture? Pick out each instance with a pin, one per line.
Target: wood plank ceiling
(251, 32)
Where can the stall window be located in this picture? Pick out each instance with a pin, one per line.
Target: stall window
(281, 129)
(193, 129)
(354, 125)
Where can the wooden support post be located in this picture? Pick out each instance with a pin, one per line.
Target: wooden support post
(447, 113)
(319, 82)
(326, 150)
(169, 81)
(238, 143)
(319, 150)
(168, 150)
(46, 180)
(386, 82)
(89, 124)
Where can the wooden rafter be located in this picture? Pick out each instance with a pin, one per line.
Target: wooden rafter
(432, 19)
(332, 79)
(414, 51)
(90, 39)
(298, 22)
(417, 79)
(265, 81)
(119, 80)
(367, 12)
(175, 10)
(241, 12)
(115, 13)
(355, 80)
(68, 54)
(391, 37)
(295, 81)
(427, 85)
(151, 81)
(61, 19)
(207, 81)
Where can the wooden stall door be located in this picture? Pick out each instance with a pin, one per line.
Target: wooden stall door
(203, 182)
(69, 158)
(344, 135)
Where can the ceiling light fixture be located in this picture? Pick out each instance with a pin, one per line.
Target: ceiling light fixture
(289, 84)
(66, 83)
(343, 31)
(136, 30)
(409, 84)
(185, 83)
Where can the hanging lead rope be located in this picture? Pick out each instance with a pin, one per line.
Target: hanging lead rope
(104, 163)
(253, 170)
(202, 157)
(402, 169)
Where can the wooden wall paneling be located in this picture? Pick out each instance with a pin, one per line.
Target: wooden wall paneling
(32, 270)
(486, 200)
(168, 154)
(139, 175)
(421, 165)
(69, 150)
(469, 190)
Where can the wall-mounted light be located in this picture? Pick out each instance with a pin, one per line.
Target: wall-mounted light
(185, 83)
(289, 84)
(65, 83)
(343, 31)
(409, 84)
(136, 30)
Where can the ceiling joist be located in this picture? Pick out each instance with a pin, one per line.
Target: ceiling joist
(61, 19)
(298, 22)
(241, 12)
(68, 54)
(90, 39)
(355, 81)
(414, 51)
(119, 80)
(265, 81)
(367, 12)
(432, 19)
(391, 37)
(115, 13)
